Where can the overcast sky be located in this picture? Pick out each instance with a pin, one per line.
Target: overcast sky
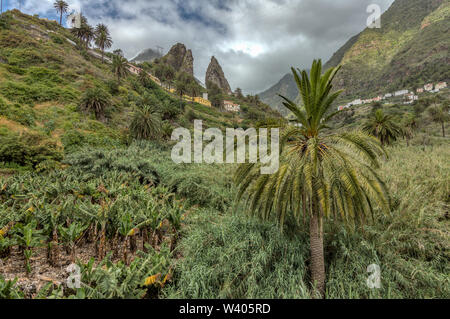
(255, 41)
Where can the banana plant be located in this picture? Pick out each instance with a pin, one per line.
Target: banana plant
(127, 230)
(71, 235)
(28, 237)
(101, 218)
(174, 216)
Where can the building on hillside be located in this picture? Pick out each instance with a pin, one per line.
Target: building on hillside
(205, 95)
(201, 100)
(231, 107)
(401, 92)
(356, 102)
(377, 99)
(412, 97)
(428, 87)
(134, 69)
(340, 108)
(387, 95)
(419, 90)
(441, 85)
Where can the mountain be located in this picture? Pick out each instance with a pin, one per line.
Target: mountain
(286, 87)
(180, 58)
(409, 50)
(148, 55)
(215, 74)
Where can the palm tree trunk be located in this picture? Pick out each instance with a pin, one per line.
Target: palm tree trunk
(317, 257)
(60, 19)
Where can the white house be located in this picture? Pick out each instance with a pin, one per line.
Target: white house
(428, 87)
(356, 102)
(231, 107)
(401, 92)
(387, 95)
(419, 90)
(440, 86)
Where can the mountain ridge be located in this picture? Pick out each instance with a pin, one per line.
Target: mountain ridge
(409, 50)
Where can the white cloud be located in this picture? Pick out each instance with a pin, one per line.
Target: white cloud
(255, 41)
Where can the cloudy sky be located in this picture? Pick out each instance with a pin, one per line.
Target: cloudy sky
(255, 41)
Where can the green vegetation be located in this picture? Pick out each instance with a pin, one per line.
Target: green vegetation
(86, 177)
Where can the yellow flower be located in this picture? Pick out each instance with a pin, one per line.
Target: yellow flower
(31, 209)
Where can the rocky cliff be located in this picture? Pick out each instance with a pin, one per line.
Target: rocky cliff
(214, 74)
(180, 59)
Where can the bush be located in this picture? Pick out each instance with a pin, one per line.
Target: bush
(27, 149)
(22, 114)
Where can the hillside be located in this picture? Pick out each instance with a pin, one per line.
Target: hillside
(409, 50)
(286, 87)
(45, 72)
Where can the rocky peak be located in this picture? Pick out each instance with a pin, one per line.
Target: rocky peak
(215, 75)
(188, 63)
(180, 59)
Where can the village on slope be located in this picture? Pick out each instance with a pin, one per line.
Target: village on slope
(410, 97)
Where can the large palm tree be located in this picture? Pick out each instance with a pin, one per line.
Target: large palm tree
(85, 33)
(322, 175)
(119, 67)
(102, 38)
(146, 123)
(383, 127)
(440, 114)
(96, 100)
(61, 7)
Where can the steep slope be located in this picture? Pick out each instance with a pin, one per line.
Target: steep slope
(286, 87)
(410, 49)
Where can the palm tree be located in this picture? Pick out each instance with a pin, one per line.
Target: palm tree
(409, 126)
(440, 114)
(96, 100)
(102, 38)
(193, 89)
(383, 127)
(146, 123)
(85, 33)
(119, 67)
(322, 175)
(61, 7)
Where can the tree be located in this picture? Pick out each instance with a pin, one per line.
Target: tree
(85, 33)
(215, 95)
(61, 7)
(146, 123)
(102, 38)
(238, 93)
(409, 126)
(322, 175)
(119, 67)
(440, 114)
(169, 74)
(383, 127)
(96, 100)
(193, 89)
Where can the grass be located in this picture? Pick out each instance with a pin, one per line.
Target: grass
(227, 255)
